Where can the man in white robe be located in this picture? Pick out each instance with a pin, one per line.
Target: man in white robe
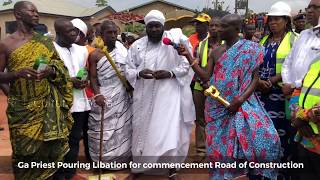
(162, 100)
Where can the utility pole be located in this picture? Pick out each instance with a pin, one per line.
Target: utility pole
(236, 7)
(239, 4)
(217, 5)
(247, 7)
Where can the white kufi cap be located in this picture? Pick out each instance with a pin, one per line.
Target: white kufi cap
(154, 15)
(78, 23)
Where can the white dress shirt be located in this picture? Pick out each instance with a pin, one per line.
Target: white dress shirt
(74, 59)
(304, 52)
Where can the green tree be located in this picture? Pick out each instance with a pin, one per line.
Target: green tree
(6, 2)
(216, 12)
(188, 30)
(101, 3)
(134, 27)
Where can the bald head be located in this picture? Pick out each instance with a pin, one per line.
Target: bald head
(26, 13)
(107, 24)
(20, 5)
(60, 23)
(66, 34)
(230, 27)
(232, 20)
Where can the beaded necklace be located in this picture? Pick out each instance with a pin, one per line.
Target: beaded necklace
(150, 105)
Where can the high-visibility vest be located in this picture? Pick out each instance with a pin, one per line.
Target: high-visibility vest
(203, 50)
(283, 49)
(203, 54)
(310, 92)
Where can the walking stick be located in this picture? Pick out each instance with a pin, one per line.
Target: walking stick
(101, 140)
(100, 175)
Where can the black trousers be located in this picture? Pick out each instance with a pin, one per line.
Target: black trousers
(311, 163)
(79, 128)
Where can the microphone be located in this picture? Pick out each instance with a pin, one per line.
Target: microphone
(168, 41)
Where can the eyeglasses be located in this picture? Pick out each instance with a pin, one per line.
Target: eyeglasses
(312, 7)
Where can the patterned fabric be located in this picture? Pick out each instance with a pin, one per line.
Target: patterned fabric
(268, 67)
(117, 117)
(38, 111)
(89, 90)
(249, 134)
(311, 144)
(274, 101)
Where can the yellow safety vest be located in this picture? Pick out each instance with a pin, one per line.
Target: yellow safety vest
(310, 92)
(203, 54)
(283, 49)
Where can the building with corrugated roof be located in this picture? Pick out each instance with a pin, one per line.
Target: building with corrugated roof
(50, 10)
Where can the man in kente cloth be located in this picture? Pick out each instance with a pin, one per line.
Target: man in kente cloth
(38, 100)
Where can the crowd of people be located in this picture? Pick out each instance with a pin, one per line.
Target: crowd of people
(136, 99)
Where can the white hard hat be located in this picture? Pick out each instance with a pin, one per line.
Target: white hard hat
(280, 9)
(78, 23)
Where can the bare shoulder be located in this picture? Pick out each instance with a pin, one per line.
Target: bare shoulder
(96, 55)
(5, 44)
(5, 50)
(217, 52)
(12, 42)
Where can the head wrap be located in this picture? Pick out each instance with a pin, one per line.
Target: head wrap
(154, 15)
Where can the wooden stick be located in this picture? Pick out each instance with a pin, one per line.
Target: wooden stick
(101, 141)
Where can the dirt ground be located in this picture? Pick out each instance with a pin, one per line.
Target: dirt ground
(5, 155)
